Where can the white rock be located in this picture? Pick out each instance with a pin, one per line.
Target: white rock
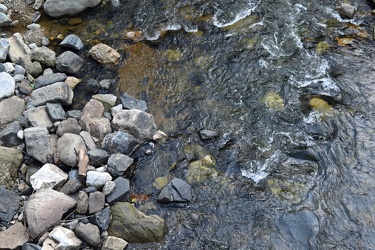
(114, 243)
(97, 179)
(8, 67)
(108, 187)
(7, 84)
(49, 176)
(65, 238)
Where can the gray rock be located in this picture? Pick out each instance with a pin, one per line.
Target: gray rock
(59, 92)
(104, 54)
(14, 237)
(48, 71)
(68, 146)
(37, 16)
(4, 20)
(69, 62)
(55, 111)
(118, 164)
(89, 233)
(18, 48)
(119, 142)
(8, 85)
(24, 87)
(101, 219)
(18, 78)
(207, 134)
(106, 83)
(8, 134)
(97, 179)
(108, 100)
(30, 246)
(129, 102)
(34, 36)
(34, 69)
(347, 10)
(140, 124)
(8, 67)
(4, 49)
(3, 9)
(90, 144)
(97, 157)
(82, 202)
(72, 42)
(11, 109)
(64, 239)
(38, 144)
(44, 55)
(37, 4)
(45, 41)
(92, 86)
(10, 203)
(69, 125)
(114, 243)
(108, 187)
(38, 117)
(11, 160)
(34, 26)
(56, 8)
(76, 114)
(48, 176)
(120, 192)
(96, 202)
(19, 70)
(71, 186)
(44, 210)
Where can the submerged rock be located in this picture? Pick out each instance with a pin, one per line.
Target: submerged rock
(201, 170)
(104, 54)
(69, 62)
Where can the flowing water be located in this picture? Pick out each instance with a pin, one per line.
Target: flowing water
(294, 156)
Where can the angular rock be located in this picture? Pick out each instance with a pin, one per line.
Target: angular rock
(48, 176)
(71, 186)
(38, 117)
(68, 147)
(92, 86)
(118, 164)
(8, 135)
(18, 48)
(8, 85)
(106, 83)
(97, 179)
(72, 42)
(207, 134)
(90, 144)
(104, 54)
(69, 125)
(4, 49)
(134, 226)
(176, 191)
(96, 202)
(8, 67)
(120, 192)
(14, 237)
(98, 157)
(34, 69)
(119, 142)
(3, 8)
(76, 114)
(45, 209)
(55, 93)
(69, 62)
(48, 79)
(38, 144)
(55, 111)
(101, 219)
(82, 202)
(65, 239)
(34, 35)
(24, 87)
(347, 10)
(72, 81)
(56, 8)
(108, 100)
(10, 203)
(114, 243)
(89, 233)
(4, 20)
(129, 102)
(108, 187)
(11, 109)
(19, 70)
(30, 246)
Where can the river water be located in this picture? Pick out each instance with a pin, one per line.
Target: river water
(293, 111)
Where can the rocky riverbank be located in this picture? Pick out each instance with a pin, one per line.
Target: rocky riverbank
(62, 171)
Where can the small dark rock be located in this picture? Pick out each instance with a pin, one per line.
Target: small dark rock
(120, 192)
(69, 62)
(10, 203)
(176, 191)
(72, 42)
(102, 219)
(129, 102)
(118, 164)
(92, 86)
(24, 87)
(71, 186)
(8, 135)
(49, 79)
(76, 114)
(55, 111)
(119, 142)
(97, 157)
(96, 202)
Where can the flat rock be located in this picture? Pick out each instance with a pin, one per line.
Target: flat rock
(89, 141)
(11, 109)
(89, 233)
(14, 237)
(11, 160)
(98, 157)
(48, 176)
(56, 8)
(71, 186)
(34, 35)
(176, 191)
(18, 48)
(49, 79)
(207, 134)
(55, 111)
(101, 219)
(114, 243)
(38, 117)
(108, 100)
(129, 102)
(118, 164)
(38, 143)
(8, 134)
(69, 125)
(72, 42)
(59, 92)
(82, 202)
(68, 146)
(64, 239)
(96, 202)
(8, 85)
(120, 192)
(104, 54)
(119, 142)
(10, 203)
(69, 62)
(45, 209)
(4, 49)
(97, 179)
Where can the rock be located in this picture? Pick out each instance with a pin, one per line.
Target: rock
(30, 246)
(48, 176)
(96, 202)
(160, 137)
(8, 67)
(76, 114)
(134, 226)
(207, 134)
(18, 48)
(38, 144)
(69, 62)
(89, 233)
(347, 10)
(97, 179)
(3, 9)
(120, 192)
(176, 191)
(55, 111)
(98, 157)
(8, 135)
(55, 93)
(129, 102)
(18, 78)
(119, 142)
(68, 146)
(11, 159)
(71, 186)
(24, 87)
(45, 209)
(14, 237)
(34, 69)
(106, 83)
(11, 109)
(104, 54)
(4, 49)
(19, 70)
(48, 79)
(34, 35)
(90, 144)
(82, 202)
(69, 125)
(101, 219)
(118, 164)
(114, 243)
(4, 20)
(10, 203)
(108, 100)
(38, 4)
(108, 187)
(140, 124)
(92, 86)
(8, 85)
(201, 170)
(38, 117)
(65, 239)
(72, 42)
(56, 8)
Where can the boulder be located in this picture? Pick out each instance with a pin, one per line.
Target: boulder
(69, 62)
(48, 176)
(119, 142)
(11, 109)
(8, 85)
(59, 92)
(72, 42)
(4, 49)
(68, 147)
(45, 209)
(97, 179)
(14, 237)
(63, 239)
(18, 48)
(134, 226)
(48, 79)
(114, 243)
(11, 159)
(55, 111)
(38, 117)
(176, 191)
(96, 202)
(8, 135)
(69, 125)
(118, 164)
(38, 143)
(104, 54)
(89, 233)
(129, 102)
(98, 157)
(58, 8)
(120, 192)
(10, 203)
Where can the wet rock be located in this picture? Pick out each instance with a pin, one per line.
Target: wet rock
(90, 144)
(96, 202)
(38, 144)
(98, 157)
(120, 192)
(14, 237)
(92, 86)
(4, 49)
(18, 48)
(114, 243)
(82, 202)
(207, 134)
(48, 176)
(106, 83)
(71, 186)
(68, 147)
(129, 102)
(108, 100)
(30, 246)
(140, 124)
(69, 62)
(8, 85)
(55, 111)
(48, 79)
(44, 209)
(97, 179)
(4, 20)
(104, 54)
(72, 42)
(55, 93)
(38, 117)
(176, 191)
(101, 219)
(64, 239)
(119, 142)
(201, 170)
(89, 233)
(347, 10)
(134, 226)
(118, 164)
(8, 135)
(10, 203)
(69, 125)
(11, 109)
(56, 8)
